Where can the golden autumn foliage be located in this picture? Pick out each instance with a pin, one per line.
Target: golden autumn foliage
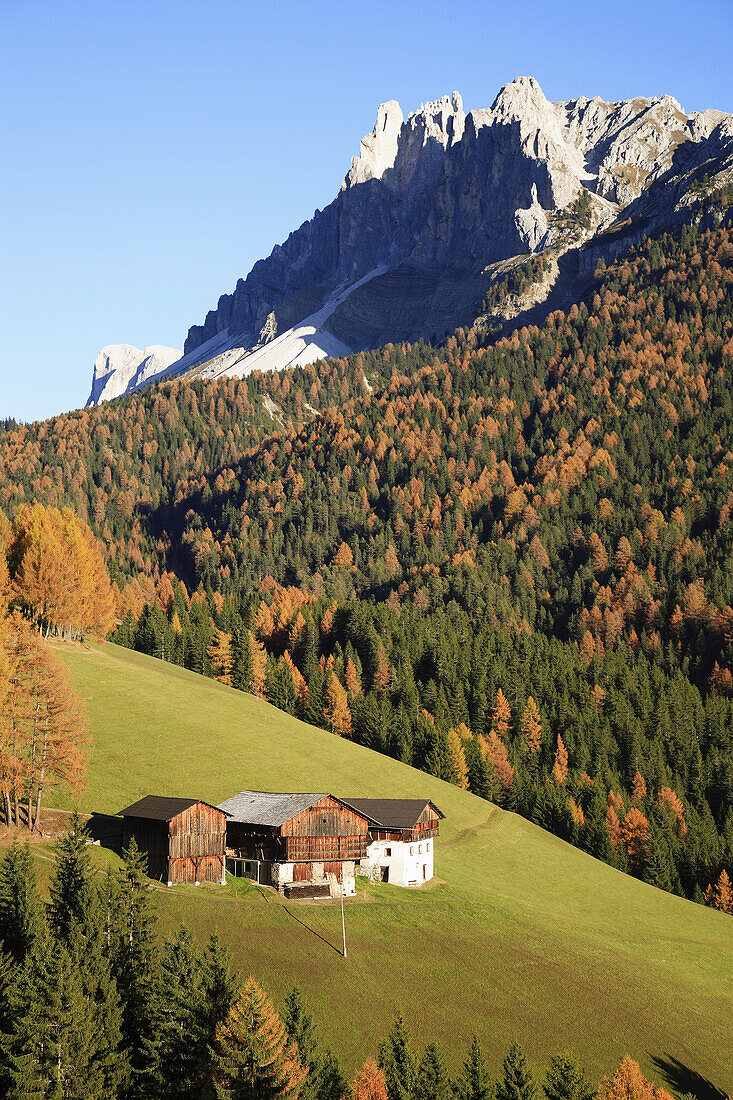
(259, 665)
(336, 707)
(253, 1055)
(369, 1083)
(220, 655)
(614, 827)
(343, 558)
(501, 717)
(560, 767)
(638, 789)
(499, 758)
(42, 727)
(720, 896)
(531, 728)
(629, 1083)
(352, 680)
(59, 574)
(458, 757)
(635, 835)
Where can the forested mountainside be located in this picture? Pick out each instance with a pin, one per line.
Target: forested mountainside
(507, 561)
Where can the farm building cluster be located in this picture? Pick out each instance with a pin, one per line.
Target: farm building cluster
(303, 845)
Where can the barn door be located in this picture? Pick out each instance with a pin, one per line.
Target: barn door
(302, 872)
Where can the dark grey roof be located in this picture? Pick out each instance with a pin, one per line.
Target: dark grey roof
(392, 813)
(156, 807)
(266, 807)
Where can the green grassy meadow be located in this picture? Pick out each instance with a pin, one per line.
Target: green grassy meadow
(521, 936)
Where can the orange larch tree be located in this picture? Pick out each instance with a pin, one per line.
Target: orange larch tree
(531, 728)
(369, 1083)
(336, 707)
(629, 1083)
(560, 767)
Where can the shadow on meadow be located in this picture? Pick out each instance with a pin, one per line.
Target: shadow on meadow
(682, 1079)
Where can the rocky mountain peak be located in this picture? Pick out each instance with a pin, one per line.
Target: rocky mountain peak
(436, 201)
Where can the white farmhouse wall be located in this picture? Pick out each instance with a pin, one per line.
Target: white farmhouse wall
(408, 863)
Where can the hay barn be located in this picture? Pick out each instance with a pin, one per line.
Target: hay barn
(183, 838)
(302, 844)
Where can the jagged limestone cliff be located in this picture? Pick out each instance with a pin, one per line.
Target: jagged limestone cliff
(433, 202)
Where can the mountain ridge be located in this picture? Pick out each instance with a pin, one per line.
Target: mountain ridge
(405, 249)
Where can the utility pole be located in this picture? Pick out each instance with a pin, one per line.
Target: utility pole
(343, 923)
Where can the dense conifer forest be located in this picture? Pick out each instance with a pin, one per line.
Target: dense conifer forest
(508, 562)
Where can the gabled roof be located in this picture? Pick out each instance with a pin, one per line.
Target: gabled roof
(267, 807)
(392, 813)
(157, 807)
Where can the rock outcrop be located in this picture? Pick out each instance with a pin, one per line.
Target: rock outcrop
(434, 200)
(121, 368)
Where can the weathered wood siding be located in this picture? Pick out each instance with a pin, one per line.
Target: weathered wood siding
(327, 818)
(190, 848)
(426, 826)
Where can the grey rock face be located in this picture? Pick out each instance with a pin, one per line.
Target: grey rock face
(433, 199)
(447, 190)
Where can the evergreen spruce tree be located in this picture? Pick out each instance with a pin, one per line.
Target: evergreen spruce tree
(398, 1062)
(300, 1027)
(8, 1016)
(219, 989)
(72, 888)
(176, 1037)
(474, 1082)
(432, 1081)
(21, 919)
(134, 964)
(565, 1080)
(241, 660)
(59, 1048)
(332, 1084)
(516, 1081)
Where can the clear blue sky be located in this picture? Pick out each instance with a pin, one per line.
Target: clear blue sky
(154, 149)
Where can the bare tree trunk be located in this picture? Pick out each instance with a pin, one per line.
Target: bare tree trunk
(32, 763)
(41, 774)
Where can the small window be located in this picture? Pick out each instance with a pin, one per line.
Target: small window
(419, 849)
(427, 846)
(388, 851)
(412, 850)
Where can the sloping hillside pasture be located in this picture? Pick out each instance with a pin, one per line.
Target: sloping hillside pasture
(521, 936)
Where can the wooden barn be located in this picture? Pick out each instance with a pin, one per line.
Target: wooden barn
(299, 843)
(183, 838)
(402, 831)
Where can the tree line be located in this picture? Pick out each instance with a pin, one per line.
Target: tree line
(95, 1006)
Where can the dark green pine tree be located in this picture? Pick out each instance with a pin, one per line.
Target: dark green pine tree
(176, 1038)
(241, 660)
(72, 889)
(300, 1026)
(438, 760)
(565, 1080)
(432, 1081)
(8, 1017)
(474, 1082)
(398, 1062)
(219, 991)
(78, 919)
(516, 1081)
(134, 960)
(332, 1084)
(21, 919)
(58, 1047)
